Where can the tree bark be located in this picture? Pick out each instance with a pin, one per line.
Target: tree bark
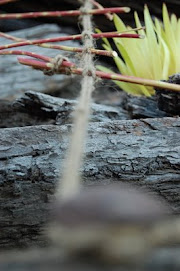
(36, 108)
(144, 152)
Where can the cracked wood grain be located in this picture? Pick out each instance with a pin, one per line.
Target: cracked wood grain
(118, 150)
(35, 108)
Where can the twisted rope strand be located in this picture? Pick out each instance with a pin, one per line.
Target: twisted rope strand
(71, 179)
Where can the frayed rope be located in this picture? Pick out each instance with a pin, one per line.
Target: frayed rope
(56, 66)
(70, 183)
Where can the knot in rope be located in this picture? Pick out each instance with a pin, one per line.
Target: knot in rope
(84, 11)
(56, 64)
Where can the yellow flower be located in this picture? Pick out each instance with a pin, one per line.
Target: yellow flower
(155, 57)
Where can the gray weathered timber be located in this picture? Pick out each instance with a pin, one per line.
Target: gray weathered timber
(15, 79)
(145, 152)
(35, 108)
(52, 259)
(142, 107)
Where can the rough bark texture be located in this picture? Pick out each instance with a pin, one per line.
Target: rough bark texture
(145, 152)
(169, 101)
(142, 107)
(36, 108)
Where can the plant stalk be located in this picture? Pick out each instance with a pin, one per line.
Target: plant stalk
(73, 37)
(27, 15)
(109, 16)
(2, 2)
(104, 75)
(63, 48)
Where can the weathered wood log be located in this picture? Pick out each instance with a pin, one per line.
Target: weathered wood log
(145, 152)
(36, 108)
(164, 104)
(169, 101)
(142, 107)
(15, 79)
(51, 259)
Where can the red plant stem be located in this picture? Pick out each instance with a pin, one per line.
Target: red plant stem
(6, 1)
(34, 55)
(80, 50)
(9, 37)
(26, 15)
(99, 6)
(73, 37)
(27, 53)
(64, 48)
(42, 65)
(104, 75)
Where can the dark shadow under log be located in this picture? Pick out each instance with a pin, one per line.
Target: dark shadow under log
(50, 259)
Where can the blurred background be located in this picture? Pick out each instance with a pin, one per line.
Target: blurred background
(42, 5)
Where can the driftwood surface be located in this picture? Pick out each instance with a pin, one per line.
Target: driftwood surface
(145, 152)
(35, 108)
(142, 151)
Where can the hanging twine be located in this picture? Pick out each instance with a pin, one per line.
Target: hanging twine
(70, 183)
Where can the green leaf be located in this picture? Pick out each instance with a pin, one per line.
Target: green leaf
(155, 57)
(120, 26)
(104, 39)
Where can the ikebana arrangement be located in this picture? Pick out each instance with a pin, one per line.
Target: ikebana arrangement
(42, 62)
(117, 223)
